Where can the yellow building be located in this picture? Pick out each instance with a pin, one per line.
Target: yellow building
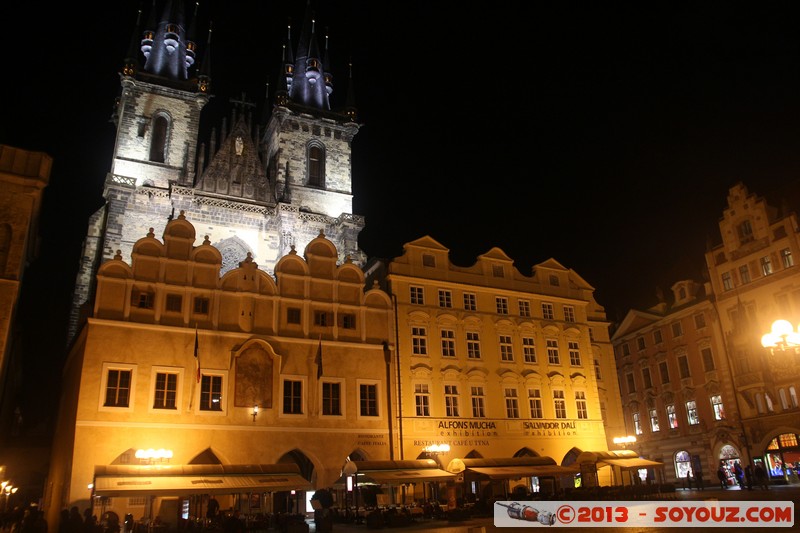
(494, 364)
(185, 384)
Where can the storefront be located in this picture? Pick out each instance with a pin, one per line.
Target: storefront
(783, 458)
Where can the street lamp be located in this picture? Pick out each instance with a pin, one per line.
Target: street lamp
(782, 337)
(624, 442)
(351, 469)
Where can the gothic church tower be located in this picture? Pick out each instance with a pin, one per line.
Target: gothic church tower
(262, 190)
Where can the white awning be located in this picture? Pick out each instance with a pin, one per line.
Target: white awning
(409, 476)
(516, 472)
(197, 479)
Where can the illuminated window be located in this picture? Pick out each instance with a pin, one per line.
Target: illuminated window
(422, 399)
(683, 464)
(786, 258)
(672, 417)
(637, 424)
(654, 420)
(716, 405)
(477, 402)
(766, 265)
(691, 413)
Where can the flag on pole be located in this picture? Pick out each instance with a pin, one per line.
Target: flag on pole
(196, 356)
(318, 360)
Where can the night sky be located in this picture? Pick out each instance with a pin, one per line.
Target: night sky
(601, 136)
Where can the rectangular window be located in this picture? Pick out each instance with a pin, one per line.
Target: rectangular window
(766, 266)
(529, 349)
(210, 393)
(677, 330)
(654, 420)
(574, 353)
(745, 232)
(331, 398)
(428, 260)
(535, 403)
(597, 372)
(727, 281)
(470, 302)
(419, 341)
(142, 300)
(569, 313)
(657, 338)
(422, 399)
(174, 303)
(552, 352)
(786, 258)
(708, 359)
(497, 271)
(631, 382)
(560, 404)
(417, 295)
(524, 308)
(744, 274)
(478, 410)
(473, 345)
(506, 349)
(368, 399)
(166, 392)
(501, 305)
(663, 369)
(201, 305)
(716, 406)
(448, 343)
(637, 424)
(646, 380)
(512, 404)
(626, 350)
(672, 417)
(691, 413)
(118, 388)
(445, 298)
(699, 321)
(451, 400)
(683, 367)
(323, 319)
(640, 344)
(292, 397)
(580, 405)
(547, 311)
(347, 321)
(293, 315)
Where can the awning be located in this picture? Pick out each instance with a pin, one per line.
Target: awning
(516, 472)
(625, 459)
(120, 480)
(398, 472)
(638, 462)
(511, 467)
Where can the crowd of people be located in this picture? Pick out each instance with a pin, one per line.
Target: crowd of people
(747, 477)
(24, 520)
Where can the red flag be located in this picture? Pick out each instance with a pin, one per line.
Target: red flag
(196, 357)
(318, 360)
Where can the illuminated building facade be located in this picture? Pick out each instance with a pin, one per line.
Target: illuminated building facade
(496, 364)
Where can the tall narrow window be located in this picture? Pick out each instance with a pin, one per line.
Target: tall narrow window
(716, 405)
(118, 388)
(766, 266)
(316, 166)
(597, 371)
(166, 391)
(473, 345)
(292, 397)
(646, 380)
(552, 352)
(560, 404)
(448, 343)
(211, 393)
(691, 413)
(631, 382)
(451, 400)
(506, 349)
(368, 399)
(535, 403)
(419, 341)
(637, 424)
(683, 366)
(727, 281)
(663, 369)
(529, 349)
(708, 359)
(331, 398)
(512, 403)
(422, 399)
(654, 421)
(672, 417)
(786, 258)
(478, 409)
(158, 139)
(580, 404)
(574, 353)
(744, 274)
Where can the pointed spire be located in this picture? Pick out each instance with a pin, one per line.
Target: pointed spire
(204, 78)
(191, 41)
(350, 105)
(131, 64)
(326, 67)
(166, 47)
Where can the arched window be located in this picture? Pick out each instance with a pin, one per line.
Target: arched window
(683, 464)
(158, 139)
(316, 166)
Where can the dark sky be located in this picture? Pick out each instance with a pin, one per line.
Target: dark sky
(603, 136)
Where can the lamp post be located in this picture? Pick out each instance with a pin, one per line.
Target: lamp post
(351, 469)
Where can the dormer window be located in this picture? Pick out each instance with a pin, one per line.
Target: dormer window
(745, 232)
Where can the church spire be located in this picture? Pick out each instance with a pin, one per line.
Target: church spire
(168, 53)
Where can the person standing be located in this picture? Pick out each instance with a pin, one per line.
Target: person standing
(761, 477)
(738, 473)
(723, 477)
(748, 476)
